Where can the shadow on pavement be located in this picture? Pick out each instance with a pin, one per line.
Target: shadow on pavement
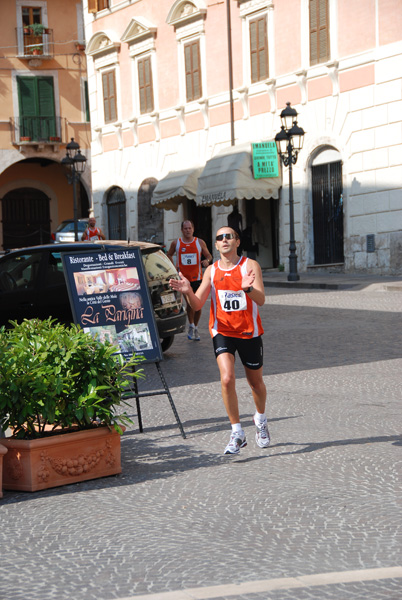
(201, 426)
(297, 338)
(313, 446)
(144, 459)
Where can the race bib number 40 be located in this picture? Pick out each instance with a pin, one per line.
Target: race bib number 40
(188, 259)
(230, 300)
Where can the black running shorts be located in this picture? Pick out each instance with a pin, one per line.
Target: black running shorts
(195, 284)
(250, 351)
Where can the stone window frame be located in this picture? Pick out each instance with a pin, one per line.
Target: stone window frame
(321, 67)
(314, 57)
(105, 54)
(19, 4)
(140, 36)
(250, 10)
(187, 17)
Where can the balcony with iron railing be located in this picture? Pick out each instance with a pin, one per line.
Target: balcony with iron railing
(34, 44)
(36, 130)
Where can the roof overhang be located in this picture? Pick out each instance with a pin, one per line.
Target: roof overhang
(228, 176)
(175, 188)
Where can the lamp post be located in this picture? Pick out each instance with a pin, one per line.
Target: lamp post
(75, 163)
(289, 142)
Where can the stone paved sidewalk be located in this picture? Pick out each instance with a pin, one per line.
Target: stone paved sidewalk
(324, 498)
(333, 280)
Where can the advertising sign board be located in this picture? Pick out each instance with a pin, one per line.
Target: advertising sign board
(110, 299)
(265, 160)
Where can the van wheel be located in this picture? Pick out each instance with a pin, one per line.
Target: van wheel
(166, 343)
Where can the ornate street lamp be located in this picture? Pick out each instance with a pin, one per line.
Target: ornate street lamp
(289, 142)
(75, 164)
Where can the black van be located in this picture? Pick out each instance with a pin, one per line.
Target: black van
(32, 285)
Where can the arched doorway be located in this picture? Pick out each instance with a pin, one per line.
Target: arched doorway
(82, 201)
(150, 218)
(327, 198)
(26, 218)
(116, 214)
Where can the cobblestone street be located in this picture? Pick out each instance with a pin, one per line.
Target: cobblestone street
(318, 515)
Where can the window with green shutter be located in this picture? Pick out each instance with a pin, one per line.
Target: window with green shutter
(145, 85)
(109, 96)
(258, 49)
(37, 117)
(193, 70)
(319, 31)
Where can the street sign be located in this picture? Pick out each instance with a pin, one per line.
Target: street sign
(265, 160)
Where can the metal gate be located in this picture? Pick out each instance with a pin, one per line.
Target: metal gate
(327, 213)
(116, 214)
(26, 218)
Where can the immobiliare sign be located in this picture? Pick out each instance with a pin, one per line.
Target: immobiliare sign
(265, 160)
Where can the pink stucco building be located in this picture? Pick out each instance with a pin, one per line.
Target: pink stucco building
(173, 122)
(43, 105)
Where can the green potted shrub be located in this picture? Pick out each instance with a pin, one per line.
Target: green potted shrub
(37, 29)
(59, 385)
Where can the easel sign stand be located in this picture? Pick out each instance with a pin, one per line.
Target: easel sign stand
(137, 395)
(110, 299)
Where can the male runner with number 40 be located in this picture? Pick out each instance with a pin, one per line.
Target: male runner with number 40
(237, 289)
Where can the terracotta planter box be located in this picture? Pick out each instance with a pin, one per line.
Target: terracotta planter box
(3, 451)
(32, 465)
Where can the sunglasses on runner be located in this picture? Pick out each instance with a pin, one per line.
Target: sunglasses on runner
(222, 236)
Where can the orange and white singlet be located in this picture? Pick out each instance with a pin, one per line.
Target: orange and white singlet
(189, 259)
(92, 234)
(233, 313)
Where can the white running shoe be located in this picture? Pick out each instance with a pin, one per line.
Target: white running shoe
(190, 333)
(196, 335)
(262, 434)
(237, 441)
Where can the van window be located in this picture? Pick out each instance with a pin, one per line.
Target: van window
(20, 271)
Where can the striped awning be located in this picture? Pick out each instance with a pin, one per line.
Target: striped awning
(228, 176)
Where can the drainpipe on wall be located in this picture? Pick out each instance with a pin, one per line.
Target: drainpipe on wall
(230, 61)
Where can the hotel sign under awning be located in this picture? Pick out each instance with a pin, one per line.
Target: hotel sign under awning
(229, 176)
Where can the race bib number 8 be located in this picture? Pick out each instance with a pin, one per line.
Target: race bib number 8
(188, 259)
(230, 300)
